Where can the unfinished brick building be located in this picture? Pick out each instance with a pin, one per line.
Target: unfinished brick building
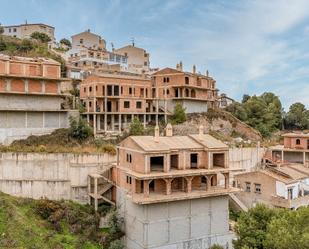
(30, 97)
(173, 190)
(194, 91)
(112, 100)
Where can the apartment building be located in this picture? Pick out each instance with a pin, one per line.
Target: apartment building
(89, 54)
(224, 101)
(138, 58)
(285, 186)
(173, 190)
(295, 149)
(22, 31)
(194, 91)
(112, 100)
(31, 102)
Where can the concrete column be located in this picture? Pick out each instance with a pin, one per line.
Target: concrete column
(157, 111)
(226, 180)
(89, 189)
(209, 161)
(125, 120)
(208, 182)
(146, 164)
(113, 122)
(133, 187)
(24, 69)
(282, 155)
(167, 165)
(189, 184)
(119, 122)
(95, 194)
(146, 188)
(43, 86)
(58, 88)
(94, 124)
(168, 185)
(144, 120)
(304, 158)
(98, 122)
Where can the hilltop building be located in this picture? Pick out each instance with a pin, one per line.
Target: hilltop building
(138, 58)
(31, 102)
(24, 31)
(285, 186)
(224, 101)
(295, 149)
(112, 100)
(194, 91)
(171, 190)
(89, 54)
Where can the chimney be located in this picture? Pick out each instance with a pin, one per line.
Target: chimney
(207, 73)
(180, 66)
(201, 132)
(194, 69)
(169, 130)
(156, 134)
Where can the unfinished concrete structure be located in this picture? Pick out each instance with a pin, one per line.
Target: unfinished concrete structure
(285, 185)
(30, 98)
(194, 91)
(295, 149)
(172, 191)
(112, 100)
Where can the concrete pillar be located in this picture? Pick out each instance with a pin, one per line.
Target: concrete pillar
(208, 182)
(113, 122)
(95, 194)
(168, 185)
(146, 188)
(43, 86)
(26, 85)
(189, 184)
(144, 120)
(98, 122)
(125, 120)
(94, 124)
(226, 180)
(304, 158)
(167, 165)
(146, 169)
(89, 188)
(210, 165)
(119, 122)
(282, 155)
(133, 186)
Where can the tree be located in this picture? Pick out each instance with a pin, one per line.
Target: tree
(1, 30)
(179, 115)
(42, 37)
(297, 117)
(79, 129)
(251, 227)
(25, 46)
(66, 42)
(245, 98)
(136, 127)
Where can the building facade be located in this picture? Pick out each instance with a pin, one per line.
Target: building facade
(89, 54)
(285, 186)
(173, 191)
(23, 31)
(112, 100)
(194, 91)
(138, 58)
(31, 102)
(295, 149)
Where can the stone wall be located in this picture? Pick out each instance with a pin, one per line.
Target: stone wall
(54, 176)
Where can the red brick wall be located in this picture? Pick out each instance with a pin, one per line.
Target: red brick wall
(2, 85)
(17, 86)
(16, 68)
(2, 67)
(52, 71)
(34, 86)
(51, 87)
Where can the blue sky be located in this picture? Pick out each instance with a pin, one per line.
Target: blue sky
(247, 46)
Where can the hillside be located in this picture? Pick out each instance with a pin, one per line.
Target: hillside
(27, 48)
(43, 224)
(220, 124)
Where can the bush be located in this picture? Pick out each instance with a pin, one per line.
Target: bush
(116, 244)
(66, 42)
(179, 115)
(216, 246)
(79, 129)
(1, 30)
(42, 37)
(136, 127)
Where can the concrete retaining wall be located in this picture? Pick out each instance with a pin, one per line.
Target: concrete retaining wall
(54, 176)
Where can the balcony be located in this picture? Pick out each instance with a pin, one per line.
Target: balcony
(278, 201)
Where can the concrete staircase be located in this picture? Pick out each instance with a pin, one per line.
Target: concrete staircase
(238, 202)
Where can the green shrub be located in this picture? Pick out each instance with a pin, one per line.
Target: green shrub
(216, 246)
(42, 37)
(179, 115)
(66, 42)
(116, 244)
(79, 129)
(136, 127)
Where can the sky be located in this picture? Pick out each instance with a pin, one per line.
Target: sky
(249, 47)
